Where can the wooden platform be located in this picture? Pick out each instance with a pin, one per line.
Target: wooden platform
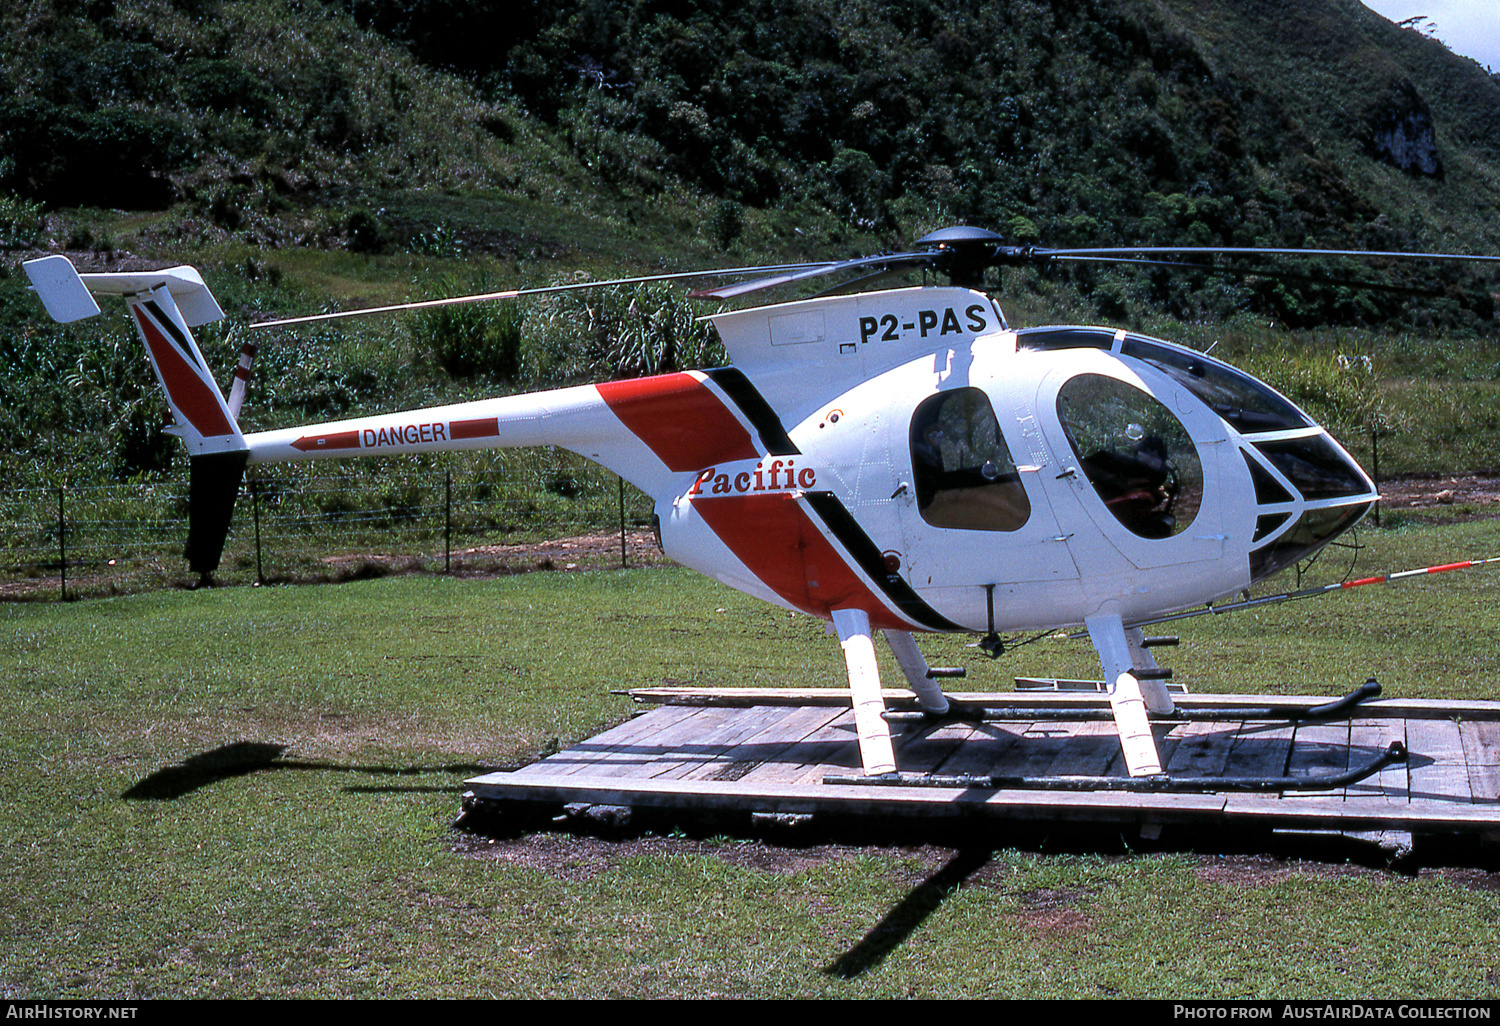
(768, 752)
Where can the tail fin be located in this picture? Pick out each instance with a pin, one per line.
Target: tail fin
(164, 305)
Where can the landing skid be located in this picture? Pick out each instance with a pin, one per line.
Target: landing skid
(1155, 783)
(974, 711)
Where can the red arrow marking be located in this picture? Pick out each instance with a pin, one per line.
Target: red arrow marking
(337, 440)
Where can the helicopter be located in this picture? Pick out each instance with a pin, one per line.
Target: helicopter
(891, 460)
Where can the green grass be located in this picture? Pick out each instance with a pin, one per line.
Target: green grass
(154, 847)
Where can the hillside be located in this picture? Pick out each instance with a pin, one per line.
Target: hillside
(359, 151)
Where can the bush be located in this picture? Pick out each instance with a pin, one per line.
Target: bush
(474, 340)
(20, 222)
(725, 223)
(57, 154)
(628, 332)
(227, 87)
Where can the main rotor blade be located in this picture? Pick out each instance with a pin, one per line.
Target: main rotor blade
(887, 260)
(1124, 251)
(517, 293)
(863, 282)
(1256, 272)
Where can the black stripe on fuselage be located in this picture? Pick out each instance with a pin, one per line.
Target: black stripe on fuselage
(167, 325)
(757, 411)
(868, 557)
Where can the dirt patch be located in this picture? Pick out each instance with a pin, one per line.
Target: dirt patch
(600, 551)
(1449, 498)
(580, 552)
(1468, 878)
(1052, 918)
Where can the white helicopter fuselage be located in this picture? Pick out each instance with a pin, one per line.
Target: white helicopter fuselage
(899, 460)
(797, 476)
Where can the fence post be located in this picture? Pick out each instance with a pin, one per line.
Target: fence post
(447, 521)
(622, 519)
(260, 577)
(1375, 469)
(62, 545)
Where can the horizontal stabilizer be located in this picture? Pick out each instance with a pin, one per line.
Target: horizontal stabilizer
(69, 296)
(60, 289)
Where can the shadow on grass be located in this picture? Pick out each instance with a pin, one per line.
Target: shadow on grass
(911, 912)
(245, 757)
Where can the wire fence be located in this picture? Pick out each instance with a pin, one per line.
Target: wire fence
(299, 522)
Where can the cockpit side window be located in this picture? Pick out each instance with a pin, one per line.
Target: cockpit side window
(1249, 406)
(1135, 453)
(962, 469)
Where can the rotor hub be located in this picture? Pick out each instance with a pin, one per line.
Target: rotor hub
(963, 253)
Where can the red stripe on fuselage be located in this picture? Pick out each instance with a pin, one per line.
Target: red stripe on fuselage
(680, 419)
(779, 543)
(484, 427)
(197, 401)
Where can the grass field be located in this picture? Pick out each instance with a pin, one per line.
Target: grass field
(248, 792)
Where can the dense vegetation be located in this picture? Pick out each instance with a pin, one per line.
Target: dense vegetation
(369, 150)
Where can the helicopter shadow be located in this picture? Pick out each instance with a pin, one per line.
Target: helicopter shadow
(242, 758)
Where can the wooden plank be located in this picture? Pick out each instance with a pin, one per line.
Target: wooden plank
(1090, 751)
(826, 736)
(858, 799)
(710, 746)
(1375, 813)
(1367, 739)
(643, 757)
(1484, 784)
(924, 748)
(638, 733)
(1261, 749)
(774, 758)
(776, 741)
(984, 749)
(833, 749)
(1319, 748)
(1033, 750)
(1436, 768)
(1168, 737)
(1380, 708)
(1481, 741)
(1200, 749)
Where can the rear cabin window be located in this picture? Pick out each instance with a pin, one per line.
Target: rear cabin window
(962, 469)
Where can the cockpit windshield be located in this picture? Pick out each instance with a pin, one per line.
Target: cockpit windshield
(1249, 406)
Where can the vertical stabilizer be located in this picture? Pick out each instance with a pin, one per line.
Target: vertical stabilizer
(203, 418)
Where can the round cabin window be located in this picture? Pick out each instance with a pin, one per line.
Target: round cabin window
(1135, 453)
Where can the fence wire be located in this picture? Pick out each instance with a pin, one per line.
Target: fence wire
(298, 521)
